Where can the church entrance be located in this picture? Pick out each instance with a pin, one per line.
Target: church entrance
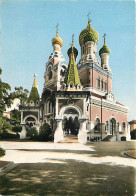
(70, 123)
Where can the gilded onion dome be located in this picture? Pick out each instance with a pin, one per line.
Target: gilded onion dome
(57, 39)
(104, 49)
(88, 34)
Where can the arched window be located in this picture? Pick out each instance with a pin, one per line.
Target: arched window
(71, 85)
(50, 72)
(123, 127)
(97, 127)
(105, 86)
(49, 107)
(102, 84)
(98, 82)
(118, 127)
(106, 126)
(112, 126)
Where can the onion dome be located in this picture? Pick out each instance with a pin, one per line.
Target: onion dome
(104, 49)
(57, 39)
(88, 34)
(75, 51)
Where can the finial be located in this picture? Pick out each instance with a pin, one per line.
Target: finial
(73, 40)
(104, 39)
(88, 15)
(35, 81)
(72, 43)
(57, 30)
(89, 21)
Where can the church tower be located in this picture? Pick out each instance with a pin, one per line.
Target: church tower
(95, 77)
(56, 65)
(104, 53)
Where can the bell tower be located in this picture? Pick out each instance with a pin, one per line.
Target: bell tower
(56, 65)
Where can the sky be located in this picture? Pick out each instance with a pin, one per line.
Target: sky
(28, 26)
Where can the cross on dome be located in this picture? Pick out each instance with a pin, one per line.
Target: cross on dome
(88, 15)
(57, 30)
(104, 39)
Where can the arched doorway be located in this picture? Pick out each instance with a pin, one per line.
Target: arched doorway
(112, 126)
(30, 121)
(70, 123)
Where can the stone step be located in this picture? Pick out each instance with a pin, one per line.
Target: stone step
(70, 139)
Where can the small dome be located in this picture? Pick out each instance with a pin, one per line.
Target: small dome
(88, 34)
(57, 40)
(69, 52)
(104, 49)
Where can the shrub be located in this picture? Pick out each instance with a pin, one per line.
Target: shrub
(17, 129)
(32, 133)
(45, 133)
(6, 135)
(2, 152)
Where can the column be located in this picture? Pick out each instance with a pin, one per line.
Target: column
(58, 136)
(82, 135)
(23, 132)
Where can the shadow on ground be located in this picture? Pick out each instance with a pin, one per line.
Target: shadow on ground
(70, 178)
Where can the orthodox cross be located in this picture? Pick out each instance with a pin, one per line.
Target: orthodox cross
(104, 35)
(88, 15)
(104, 39)
(57, 30)
(73, 38)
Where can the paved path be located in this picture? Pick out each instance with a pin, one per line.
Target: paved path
(69, 169)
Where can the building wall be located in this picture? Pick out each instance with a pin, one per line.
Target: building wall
(107, 115)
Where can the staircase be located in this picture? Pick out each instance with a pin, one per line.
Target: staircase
(107, 138)
(70, 139)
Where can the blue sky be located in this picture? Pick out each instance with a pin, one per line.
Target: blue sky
(28, 26)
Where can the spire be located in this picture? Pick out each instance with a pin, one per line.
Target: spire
(72, 75)
(104, 39)
(35, 81)
(34, 95)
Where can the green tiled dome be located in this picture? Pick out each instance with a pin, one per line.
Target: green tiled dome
(88, 34)
(104, 49)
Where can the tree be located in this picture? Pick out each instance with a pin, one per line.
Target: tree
(45, 133)
(5, 97)
(21, 94)
(5, 126)
(15, 115)
(34, 95)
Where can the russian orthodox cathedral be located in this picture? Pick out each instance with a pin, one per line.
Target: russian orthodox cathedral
(77, 98)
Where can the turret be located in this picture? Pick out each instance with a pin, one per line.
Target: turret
(104, 53)
(88, 40)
